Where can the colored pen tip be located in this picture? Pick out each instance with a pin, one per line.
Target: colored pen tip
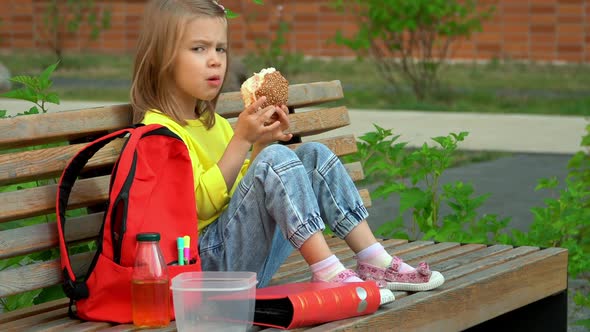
(180, 243)
(187, 241)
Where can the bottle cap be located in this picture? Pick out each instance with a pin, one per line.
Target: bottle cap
(148, 237)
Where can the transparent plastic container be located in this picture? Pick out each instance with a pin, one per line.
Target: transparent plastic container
(214, 301)
(150, 284)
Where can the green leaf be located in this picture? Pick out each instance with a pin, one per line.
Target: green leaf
(547, 183)
(258, 2)
(230, 14)
(32, 110)
(583, 322)
(30, 82)
(52, 98)
(21, 300)
(411, 198)
(3, 113)
(54, 292)
(22, 94)
(8, 262)
(44, 81)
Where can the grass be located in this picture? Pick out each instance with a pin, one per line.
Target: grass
(496, 87)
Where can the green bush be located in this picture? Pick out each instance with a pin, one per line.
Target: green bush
(69, 15)
(564, 221)
(411, 39)
(414, 175)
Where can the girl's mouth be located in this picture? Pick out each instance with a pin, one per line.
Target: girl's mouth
(214, 81)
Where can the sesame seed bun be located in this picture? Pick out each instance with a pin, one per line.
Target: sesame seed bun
(269, 83)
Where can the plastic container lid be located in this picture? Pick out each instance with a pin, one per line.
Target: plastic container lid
(214, 281)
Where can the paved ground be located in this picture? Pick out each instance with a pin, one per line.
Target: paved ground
(541, 147)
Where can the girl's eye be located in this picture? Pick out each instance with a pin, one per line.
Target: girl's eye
(198, 49)
(221, 50)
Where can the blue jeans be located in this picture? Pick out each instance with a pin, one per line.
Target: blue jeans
(299, 191)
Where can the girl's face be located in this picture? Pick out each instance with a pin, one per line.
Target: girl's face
(201, 61)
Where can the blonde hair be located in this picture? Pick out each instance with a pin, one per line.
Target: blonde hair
(163, 28)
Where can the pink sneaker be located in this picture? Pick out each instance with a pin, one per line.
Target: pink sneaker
(422, 279)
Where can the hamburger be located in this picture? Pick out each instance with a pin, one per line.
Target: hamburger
(269, 83)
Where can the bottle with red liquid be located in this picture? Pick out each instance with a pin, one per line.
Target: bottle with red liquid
(150, 289)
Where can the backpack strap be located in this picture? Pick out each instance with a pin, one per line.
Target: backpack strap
(76, 290)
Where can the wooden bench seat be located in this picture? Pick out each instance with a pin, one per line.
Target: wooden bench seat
(483, 282)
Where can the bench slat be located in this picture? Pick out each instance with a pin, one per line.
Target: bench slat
(86, 326)
(340, 145)
(68, 125)
(41, 200)
(31, 321)
(62, 126)
(454, 252)
(318, 121)
(25, 240)
(47, 163)
(39, 275)
(472, 257)
(33, 311)
(54, 325)
(42, 164)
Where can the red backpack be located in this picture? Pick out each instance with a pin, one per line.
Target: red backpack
(151, 190)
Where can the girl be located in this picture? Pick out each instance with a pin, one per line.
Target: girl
(251, 214)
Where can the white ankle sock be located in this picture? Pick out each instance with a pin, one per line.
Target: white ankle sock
(376, 255)
(328, 269)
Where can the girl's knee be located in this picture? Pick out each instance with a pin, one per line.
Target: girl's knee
(313, 147)
(275, 153)
(314, 151)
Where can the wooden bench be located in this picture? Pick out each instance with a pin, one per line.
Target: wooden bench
(487, 285)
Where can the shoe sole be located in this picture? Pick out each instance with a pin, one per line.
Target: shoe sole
(436, 279)
(386, 296)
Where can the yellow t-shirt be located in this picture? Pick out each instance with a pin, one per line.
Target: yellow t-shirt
(205, 148)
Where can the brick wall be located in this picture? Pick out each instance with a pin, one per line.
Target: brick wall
(546, 30)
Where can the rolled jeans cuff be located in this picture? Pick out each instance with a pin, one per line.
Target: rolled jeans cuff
(306, 230)
(350, 221)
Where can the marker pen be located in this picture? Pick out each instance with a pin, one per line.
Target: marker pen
(180, 247)
(187, 249)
